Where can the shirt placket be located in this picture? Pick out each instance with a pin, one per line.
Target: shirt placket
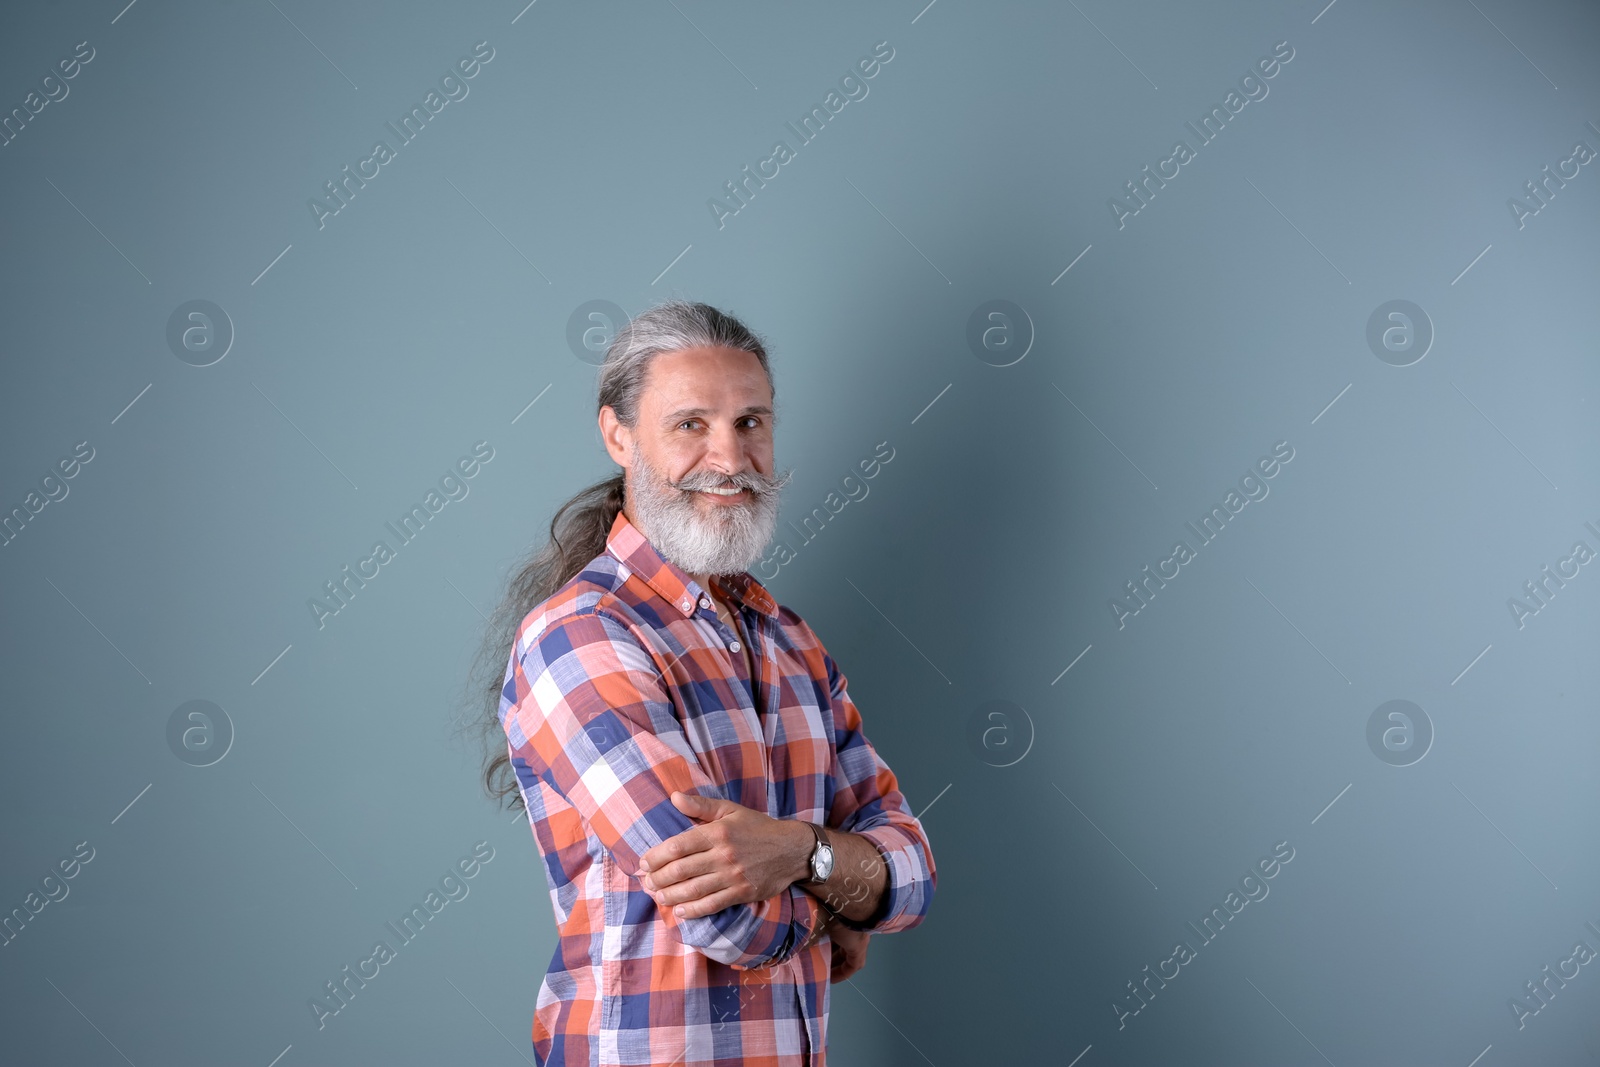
(762, 655)
(734, 642)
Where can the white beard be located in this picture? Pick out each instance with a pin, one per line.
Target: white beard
(675, 522)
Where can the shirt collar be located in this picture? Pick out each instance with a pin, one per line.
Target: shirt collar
(669, 581)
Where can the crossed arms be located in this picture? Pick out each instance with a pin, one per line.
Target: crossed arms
(736, 855)
(586, 708)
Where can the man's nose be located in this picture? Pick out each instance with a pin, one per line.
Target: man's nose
(725, 452)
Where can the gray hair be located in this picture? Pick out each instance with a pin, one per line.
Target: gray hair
(667, 327)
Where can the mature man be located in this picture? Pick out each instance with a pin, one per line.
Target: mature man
(719, 837)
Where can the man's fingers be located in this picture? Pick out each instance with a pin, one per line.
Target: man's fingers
(706, 905)
(679, 870)
(849, 953)
(688, 843)
(842, 971)
(693, 891)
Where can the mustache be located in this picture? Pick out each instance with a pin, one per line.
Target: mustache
(755, 481)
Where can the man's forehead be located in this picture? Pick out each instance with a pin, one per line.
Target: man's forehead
(702, 411)
(681, 388)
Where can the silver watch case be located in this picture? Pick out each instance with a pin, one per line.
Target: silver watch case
(821, 861)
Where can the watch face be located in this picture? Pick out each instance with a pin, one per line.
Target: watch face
(823, 866)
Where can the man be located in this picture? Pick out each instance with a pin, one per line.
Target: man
(719, 836)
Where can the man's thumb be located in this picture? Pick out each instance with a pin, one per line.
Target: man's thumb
(694, 803)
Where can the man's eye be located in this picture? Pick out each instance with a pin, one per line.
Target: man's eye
(751, 422)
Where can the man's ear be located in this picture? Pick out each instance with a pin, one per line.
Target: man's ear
(616, 437)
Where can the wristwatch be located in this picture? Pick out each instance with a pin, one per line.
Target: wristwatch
(821, 858)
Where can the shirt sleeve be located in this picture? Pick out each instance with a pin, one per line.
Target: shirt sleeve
(586, 707)
(867, 801)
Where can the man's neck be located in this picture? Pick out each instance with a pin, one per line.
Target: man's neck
(706, 584)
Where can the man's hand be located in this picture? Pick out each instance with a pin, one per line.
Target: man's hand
(736, 855)
(849, 950)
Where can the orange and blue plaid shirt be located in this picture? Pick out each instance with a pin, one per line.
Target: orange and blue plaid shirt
(624, 686)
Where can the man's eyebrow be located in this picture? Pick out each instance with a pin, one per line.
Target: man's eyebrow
(684, 413)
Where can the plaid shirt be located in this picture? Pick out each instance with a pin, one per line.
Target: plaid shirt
(624, 686)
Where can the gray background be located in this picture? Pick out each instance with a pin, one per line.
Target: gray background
(1227, 315)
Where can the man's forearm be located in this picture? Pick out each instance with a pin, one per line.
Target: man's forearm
(859, 879)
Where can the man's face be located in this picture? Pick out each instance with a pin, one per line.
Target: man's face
(705, 424)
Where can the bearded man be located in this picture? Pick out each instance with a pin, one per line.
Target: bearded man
(719, 837)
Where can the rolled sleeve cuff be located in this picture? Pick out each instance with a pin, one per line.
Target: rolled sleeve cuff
(909, 884)
(789, 921)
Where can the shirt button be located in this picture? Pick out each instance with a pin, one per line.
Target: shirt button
(705, 602)
(734, 646)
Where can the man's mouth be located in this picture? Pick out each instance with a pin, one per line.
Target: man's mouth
(722, 498)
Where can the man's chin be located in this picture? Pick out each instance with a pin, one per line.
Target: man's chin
(720, 517)
(710, 527)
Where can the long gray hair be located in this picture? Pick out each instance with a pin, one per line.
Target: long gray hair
(578, 530)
